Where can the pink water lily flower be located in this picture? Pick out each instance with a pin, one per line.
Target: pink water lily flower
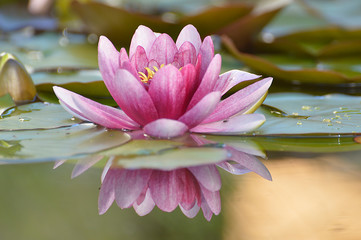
(167, 88)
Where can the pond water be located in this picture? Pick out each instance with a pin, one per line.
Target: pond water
(312, 196)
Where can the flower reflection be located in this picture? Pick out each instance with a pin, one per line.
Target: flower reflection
(192, 187)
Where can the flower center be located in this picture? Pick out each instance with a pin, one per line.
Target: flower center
(145, 78)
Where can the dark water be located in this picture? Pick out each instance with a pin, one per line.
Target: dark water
(312, 196)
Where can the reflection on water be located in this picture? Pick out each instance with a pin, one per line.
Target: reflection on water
(311, 197)
(191, 187)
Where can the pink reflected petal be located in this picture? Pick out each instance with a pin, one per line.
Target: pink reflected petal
(213, 200)
(236, 168)
(240, 101)
(165, 189)
(108, 59)
(232, 126)
(191, 213)
(201, 110)
(208, 176)
(144, 37)
(165, 128)
(231, 78)
(189, 34)
(146, 206)
(168, 92)
(107, 193)
(191, 190)
(207, 212)
(129, 184)
(208, 81)
(100, 114)
(250, 162)
(163, 49)
(84, 164)
(132, 97)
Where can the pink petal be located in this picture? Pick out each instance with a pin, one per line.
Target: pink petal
(191, 189)
(165, 128)
(189, 75)
(146, 206)
(207, 212)
(236, 168)
(230, 79)
(163, 49)
(235, 125)
(208, 81)
(191, 213)
(250, 162)
(107, 193)
(207, 53)
(144, 37)
(240, 101)
(108, 59)
(168, 92)
(129, 184)
(139, 60)
(189, 34)
(208, 176)
(123, 56)
(100, 114)
(213, 200)
(165, 189)
(58, 163)
(185, 55)
(201, 110)
(84, 164)
(130, 68)
(132, 97)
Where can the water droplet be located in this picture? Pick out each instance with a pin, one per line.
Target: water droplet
(73, 118)
(268, 37)
(339, 122)
(334, 112)
(330, 124)
(306, 108)
(24, 119)
(326, 120)
(299, 123)
(295, 114)
(317, 108)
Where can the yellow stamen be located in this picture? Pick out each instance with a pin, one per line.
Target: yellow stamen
(150, 73)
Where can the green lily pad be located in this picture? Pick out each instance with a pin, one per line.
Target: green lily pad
(174, 158)
(300, 69)
(84, 82)
(51, 50)
(57, 144)
(296, 114)
(36, 116)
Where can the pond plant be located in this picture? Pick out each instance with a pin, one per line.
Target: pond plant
(168, 88)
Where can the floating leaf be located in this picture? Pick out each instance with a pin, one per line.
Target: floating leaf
(51, 50)
(301, 70)
(56, 144)
(84, 82)
(296, 114)
(36, 116)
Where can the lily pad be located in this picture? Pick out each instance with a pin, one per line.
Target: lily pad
(36, 116)
(51, 50)
(57, 144)
(298, 69)
(84, 82)
(296, 114)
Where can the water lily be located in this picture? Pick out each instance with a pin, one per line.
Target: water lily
(168, 88)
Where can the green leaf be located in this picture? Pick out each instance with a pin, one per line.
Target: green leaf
(296, 114)
(57, 144)
(36, 116)
(174, 158)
